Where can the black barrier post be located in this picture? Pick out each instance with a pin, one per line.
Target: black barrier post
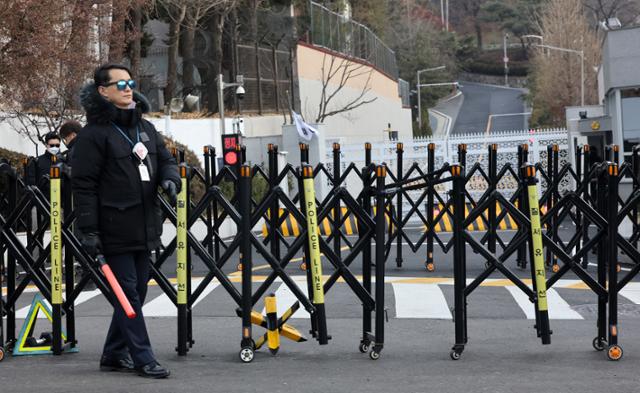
(337, 213)
(614, 352)
(602, 261)
(56, 255)
(549, 199)
(366, 251)
(274, 210)
(523, 157)
(459, 269)
(586, 153)
(244, 203)
(493, 173)
(381, 173)
(578, 160)
(536, 254)
(182, 265)
(552, 231)
(11, 262)
(431, 159)
(304, 153)
(399, 152)
(635, 162)
(208, 152)
(616, 154)
(608, 150)
(67, 209)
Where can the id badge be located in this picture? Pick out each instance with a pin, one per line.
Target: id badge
(144, 173)
(140, 150)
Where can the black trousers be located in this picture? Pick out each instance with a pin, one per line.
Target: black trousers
(129, 336)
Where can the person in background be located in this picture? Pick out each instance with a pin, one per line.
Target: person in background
(119, 161)
(39, 167)
(68, 131)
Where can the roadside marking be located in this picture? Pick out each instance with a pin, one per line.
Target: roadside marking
(420, 301)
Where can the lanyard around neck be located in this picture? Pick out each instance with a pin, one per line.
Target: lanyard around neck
(124, 134)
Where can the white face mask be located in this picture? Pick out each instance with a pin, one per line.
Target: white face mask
(53, 150)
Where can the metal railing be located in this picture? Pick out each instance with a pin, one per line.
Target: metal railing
(338, 33)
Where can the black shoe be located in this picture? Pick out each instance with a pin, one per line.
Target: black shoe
(153, 370)
(109, 364)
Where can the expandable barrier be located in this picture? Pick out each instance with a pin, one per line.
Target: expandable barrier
(378, 213)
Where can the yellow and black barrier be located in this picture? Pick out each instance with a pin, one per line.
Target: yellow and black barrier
(285, 330)
(537, 256)
(56, 256)
(313, 254)
(290, 227)
(273, 337)
(182, 262)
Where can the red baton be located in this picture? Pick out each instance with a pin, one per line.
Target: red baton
(115, 287)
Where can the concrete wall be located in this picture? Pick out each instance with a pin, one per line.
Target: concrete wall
(197, 133)
(11, 140)
(365, 123)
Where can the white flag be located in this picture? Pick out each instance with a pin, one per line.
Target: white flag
(304, 130)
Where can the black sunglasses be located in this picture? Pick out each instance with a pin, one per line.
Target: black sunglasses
(122, 84)
(56, 145)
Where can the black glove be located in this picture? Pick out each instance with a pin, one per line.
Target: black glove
(91, 243)
(171, 189)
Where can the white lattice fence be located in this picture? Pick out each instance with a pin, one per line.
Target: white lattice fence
(446, 150)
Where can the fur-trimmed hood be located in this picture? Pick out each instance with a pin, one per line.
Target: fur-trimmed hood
(102, 111)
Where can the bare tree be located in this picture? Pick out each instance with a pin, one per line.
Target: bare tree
(338, 74)
(556, 75)
(603, 10)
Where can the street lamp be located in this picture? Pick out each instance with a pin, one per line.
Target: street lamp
(579, 53)
(456, 84)
(418, 88)
(239, 93)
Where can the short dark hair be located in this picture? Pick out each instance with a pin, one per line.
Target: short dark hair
(50, 136)
(70, 127)
(101, 74)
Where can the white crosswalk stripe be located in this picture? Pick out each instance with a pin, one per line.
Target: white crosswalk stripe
(285, 298)
(413, 299)
(632, 292)
(558, 307)
(420, 301)
(162, 306)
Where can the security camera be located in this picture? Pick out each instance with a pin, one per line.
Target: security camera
(240, 92)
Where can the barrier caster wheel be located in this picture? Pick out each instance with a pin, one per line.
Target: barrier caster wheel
(303, 266)
(374, 355)
(430, 267)
(598, 344)
(246, 355)
(614, 352)
(239, 267)
(1, 354)
(455, 355)
(363, 347)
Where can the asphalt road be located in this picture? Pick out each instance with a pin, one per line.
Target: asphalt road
(488, 107)
(503, 353)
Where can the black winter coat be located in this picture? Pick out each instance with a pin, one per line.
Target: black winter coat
(37, 169)
(109, 195)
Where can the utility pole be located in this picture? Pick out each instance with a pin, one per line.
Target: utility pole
(505, 58)
(418, 85)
